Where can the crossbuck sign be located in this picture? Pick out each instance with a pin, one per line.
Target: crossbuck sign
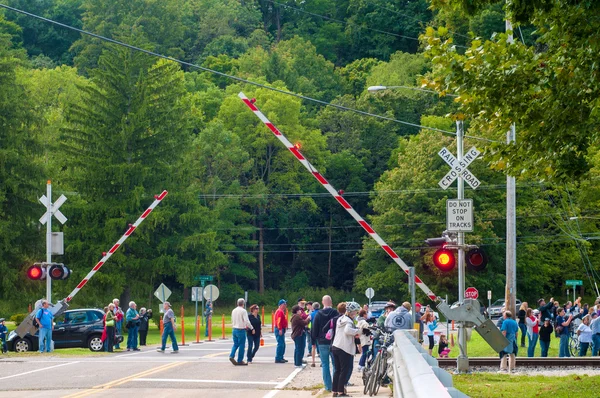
(459, 168)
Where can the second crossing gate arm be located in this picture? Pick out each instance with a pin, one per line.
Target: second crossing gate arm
(298, 155)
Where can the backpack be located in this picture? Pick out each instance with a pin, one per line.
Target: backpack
(35, 322)
(329, 328)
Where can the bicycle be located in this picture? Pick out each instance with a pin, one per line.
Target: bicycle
(375, 370)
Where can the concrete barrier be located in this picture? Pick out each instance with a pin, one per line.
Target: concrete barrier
(416, 374)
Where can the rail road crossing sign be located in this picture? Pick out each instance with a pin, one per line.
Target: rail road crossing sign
(459, 168)
(459, 215)
(52, 210)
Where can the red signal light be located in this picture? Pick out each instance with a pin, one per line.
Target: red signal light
(444, 259)
(59, 271)
(476, 259)
(298, 145)
(36, 273)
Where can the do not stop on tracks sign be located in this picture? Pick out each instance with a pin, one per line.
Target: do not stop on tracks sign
(471, 293)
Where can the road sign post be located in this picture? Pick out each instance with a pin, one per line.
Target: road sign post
(370, 293)
(489, 298)
(459, 171)
(51, 210)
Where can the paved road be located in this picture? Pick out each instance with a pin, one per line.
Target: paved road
(204, 367)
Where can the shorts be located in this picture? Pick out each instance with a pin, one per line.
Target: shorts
(431, 342)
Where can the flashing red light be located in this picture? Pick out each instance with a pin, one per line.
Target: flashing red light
(444, 259)
(476, 260)
(298, 145)
(36, 273)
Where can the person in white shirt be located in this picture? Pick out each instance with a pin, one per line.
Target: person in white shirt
(585, 335)
(239, 323)
(343, 348)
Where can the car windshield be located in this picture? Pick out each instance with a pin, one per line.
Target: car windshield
(377, 306)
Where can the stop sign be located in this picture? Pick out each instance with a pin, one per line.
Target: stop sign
(471, 293)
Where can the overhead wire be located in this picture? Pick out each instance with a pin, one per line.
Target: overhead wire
(237, 78)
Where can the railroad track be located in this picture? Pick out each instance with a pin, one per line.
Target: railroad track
(527, 362)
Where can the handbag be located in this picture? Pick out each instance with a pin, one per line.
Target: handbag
(110, 323)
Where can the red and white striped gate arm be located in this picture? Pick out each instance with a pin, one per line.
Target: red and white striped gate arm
(132, 227)
(335, 194)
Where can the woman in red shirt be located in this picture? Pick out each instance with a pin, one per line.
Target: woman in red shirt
(533, 330)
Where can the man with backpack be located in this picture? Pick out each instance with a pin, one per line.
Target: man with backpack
(319, 332)
(44, 319)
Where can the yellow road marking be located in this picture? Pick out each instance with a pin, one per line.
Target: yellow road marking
(114, 383)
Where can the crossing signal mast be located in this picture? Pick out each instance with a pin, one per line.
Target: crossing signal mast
(40, 271)
(444, 257)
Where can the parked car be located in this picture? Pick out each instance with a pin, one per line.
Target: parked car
(377, 308)
(495, 310)
(73, 329)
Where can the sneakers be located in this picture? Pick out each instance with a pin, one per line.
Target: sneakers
(242, 363)
(160, 350)
(276, 361)
(136, 349)
(233, 361)
(175, 352)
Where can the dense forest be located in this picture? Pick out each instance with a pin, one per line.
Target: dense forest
(111, 126)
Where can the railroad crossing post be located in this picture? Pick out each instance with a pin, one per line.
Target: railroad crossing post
(462, 362)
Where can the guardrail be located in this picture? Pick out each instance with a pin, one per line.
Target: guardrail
(416, 374)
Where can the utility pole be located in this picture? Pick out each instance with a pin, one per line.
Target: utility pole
(511, 221)
(462, 363)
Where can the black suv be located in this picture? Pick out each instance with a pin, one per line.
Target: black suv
(74, 328)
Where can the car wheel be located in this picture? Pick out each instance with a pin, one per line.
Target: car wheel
(22, 345)
(95, 343)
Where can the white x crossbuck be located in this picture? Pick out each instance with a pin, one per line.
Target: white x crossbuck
(459, 168)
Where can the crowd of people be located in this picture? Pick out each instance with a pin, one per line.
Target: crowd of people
(571, 320)
(135, 322)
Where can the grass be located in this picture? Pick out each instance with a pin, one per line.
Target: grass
(502, 385)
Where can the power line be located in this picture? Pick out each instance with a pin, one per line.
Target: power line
(236, 78)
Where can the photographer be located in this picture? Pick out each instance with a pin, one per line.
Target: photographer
(145, 317)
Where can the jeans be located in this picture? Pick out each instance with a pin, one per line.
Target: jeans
(544, 345)
(300, 345)
(132, 337)
(326, 359)
(169, 332)
(563, 348)
(206, 330)
(532, 343)
(523, 329)
(342, 361)
(110, 339)
(583, 347)
(253, 345)
(239, 343)
(45, 339)
(280, 352)
(308, 342)
(595, 344)
(119, 325)
(365, 354)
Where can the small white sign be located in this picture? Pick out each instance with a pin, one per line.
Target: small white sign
(489, 294)
(211, 292)
(162, 293)
(459, 215)
(370, 293)
(196, 294)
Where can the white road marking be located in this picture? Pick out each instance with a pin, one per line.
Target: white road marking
(209, 381)
(37, 370)
(284, 383)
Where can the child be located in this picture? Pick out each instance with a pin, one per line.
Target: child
(443, 349)
(3, 333)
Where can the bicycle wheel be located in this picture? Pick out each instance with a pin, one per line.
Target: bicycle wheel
(374, 379)
(382, 372)
(573, 345)
(366, 374)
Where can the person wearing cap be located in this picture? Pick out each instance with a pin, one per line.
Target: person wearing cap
(169, 329)
(281, 325)
(545, 332)
(239, 323)
(389, 307)
(533, 330)
(400, 318)
(3, 333)
(44, 318)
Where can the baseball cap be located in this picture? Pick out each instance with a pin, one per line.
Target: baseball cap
(1, 320)
(301, 299)
(167, 303)
(282, 301)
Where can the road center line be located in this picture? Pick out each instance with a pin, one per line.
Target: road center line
(37, 370)
(270, 383)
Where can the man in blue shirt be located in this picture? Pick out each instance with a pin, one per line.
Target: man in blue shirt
(510, 330)
(133, 323)
(44, 318)
(595, 326)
